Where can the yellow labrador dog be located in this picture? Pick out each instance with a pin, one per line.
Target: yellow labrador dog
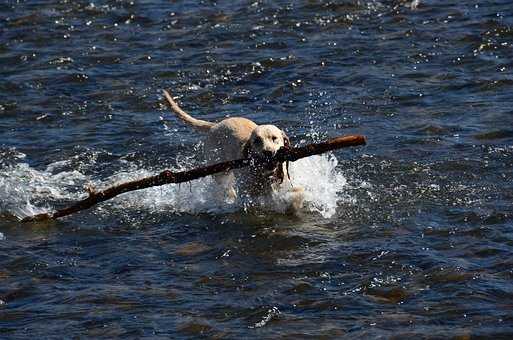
(238, 137)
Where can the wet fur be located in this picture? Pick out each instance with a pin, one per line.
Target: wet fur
(238, 137)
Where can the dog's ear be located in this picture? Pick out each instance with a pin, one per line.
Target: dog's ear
(286, 139)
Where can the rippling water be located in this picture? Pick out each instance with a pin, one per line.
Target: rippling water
(408, 236)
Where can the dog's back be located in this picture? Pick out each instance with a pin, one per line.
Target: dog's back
(226, 139)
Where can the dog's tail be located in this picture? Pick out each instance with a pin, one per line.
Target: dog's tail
(199, 124)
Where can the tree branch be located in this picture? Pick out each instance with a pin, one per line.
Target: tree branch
(167, 176)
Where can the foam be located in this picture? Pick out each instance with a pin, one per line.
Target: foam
(26, 191)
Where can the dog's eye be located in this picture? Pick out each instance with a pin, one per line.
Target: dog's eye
(275, 138)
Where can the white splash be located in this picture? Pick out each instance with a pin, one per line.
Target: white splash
(322, 182)
(22, 185)
(318, 175)
(26, 191)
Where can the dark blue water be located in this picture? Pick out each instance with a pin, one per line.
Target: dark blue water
(411, 235)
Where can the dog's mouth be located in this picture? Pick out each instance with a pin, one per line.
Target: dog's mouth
(268, 164)
(265, 165)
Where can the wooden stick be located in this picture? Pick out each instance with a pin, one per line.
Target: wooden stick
(167, 176)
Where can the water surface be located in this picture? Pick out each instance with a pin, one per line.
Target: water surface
(408, 236)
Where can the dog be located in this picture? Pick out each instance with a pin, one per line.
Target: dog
(238, 137)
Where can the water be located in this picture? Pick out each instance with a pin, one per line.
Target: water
(408, 236)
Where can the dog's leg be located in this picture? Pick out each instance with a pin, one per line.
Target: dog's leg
(297, 198)
(226, 182)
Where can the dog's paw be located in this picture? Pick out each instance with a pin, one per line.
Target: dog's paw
(297, 199)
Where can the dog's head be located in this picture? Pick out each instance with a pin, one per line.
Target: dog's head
(264, 142)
